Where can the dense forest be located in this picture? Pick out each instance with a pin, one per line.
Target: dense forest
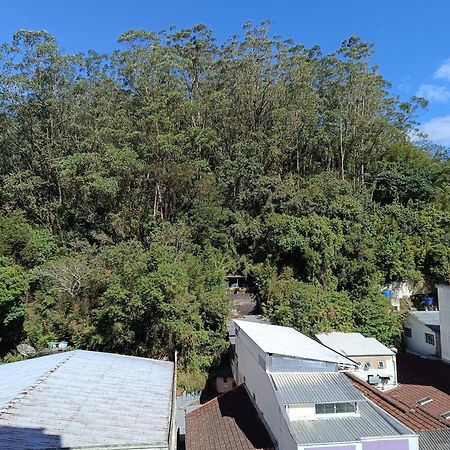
(133, 182)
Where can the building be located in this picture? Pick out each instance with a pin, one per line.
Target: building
(421, 401)
(377, 363)
(304, 399)
(421, 333)
(444, 310)
(229, 422)
(86, 400)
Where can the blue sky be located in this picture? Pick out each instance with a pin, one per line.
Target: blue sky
(411, 38)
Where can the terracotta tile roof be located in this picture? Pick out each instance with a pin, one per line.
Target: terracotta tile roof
(418, 379)
(416, 419)
(228, 422)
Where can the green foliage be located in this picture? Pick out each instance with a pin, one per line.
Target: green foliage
(14, 286)
(373, 316)
(132, 182)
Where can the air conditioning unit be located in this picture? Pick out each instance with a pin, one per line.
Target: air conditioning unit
(373, 380)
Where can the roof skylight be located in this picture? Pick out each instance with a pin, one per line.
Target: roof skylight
(424, 401)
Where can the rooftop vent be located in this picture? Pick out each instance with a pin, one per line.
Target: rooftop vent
(446, 415)
(424, 401)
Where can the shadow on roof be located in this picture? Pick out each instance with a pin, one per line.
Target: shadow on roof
(237, 405)
(15, 438)
(414, 370)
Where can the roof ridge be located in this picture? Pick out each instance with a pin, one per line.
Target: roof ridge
(41, 379)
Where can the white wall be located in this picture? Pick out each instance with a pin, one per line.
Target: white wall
(262, 392)
(390, 368)
(416, 343)
(306, 411)
(444, 317)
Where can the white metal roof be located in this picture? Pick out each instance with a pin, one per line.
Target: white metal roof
(289, 342)
(429, 318)
(84, 399)
(315, 387)
(353, 344)
(369, 423)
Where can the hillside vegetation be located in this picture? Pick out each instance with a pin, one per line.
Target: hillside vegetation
(133, 182)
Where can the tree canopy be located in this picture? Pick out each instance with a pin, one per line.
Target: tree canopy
(132, 182)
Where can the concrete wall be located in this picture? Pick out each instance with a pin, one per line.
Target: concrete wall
(401, 290)
(444, 316)
(416, 343)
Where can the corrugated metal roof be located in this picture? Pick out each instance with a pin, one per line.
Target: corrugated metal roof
(369, 423)
(289, 342)
(353, 344)
(434, 440)
(84, 399)
(316, 387)
(429, 318)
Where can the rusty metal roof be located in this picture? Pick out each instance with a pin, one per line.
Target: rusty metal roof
(83, 399)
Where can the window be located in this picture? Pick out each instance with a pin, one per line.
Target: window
(408, 332)
(446, 415)
(367, 366)
(335, 408)
(325, 408)
(345, 407)
(225, 379)
(381, 364)
(429, 338)
(424, 401)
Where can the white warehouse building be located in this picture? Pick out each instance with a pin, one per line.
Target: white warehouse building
(304, 399)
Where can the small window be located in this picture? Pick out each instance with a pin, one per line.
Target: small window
(345, 407)
(367, 366)
(225, 379)
(381, 364)
(335, 408)
(446, 415)
(325, 408)
(424, 401)
(429, 338)
(408, 332)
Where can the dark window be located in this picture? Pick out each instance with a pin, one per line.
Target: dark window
(225, 379)
(325, 408)
(429, 338)
(408, 332)
(335, 408)
(381, 364)
(345, 407)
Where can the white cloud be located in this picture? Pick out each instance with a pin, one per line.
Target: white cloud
(438, 130)
(444, 71)
(434, 92)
